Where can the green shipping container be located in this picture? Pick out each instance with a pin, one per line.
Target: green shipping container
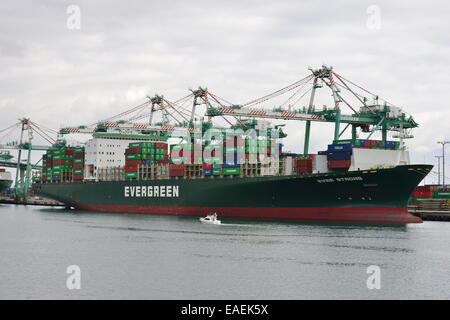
(131, 174)
(78, 150)
(231, 171)
(78, 161)
(144, 144)
(440, 194)
(78, 171)
(134, 145)
(133, 157)
(56, 172)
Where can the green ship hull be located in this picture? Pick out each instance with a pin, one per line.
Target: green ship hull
(375, 196)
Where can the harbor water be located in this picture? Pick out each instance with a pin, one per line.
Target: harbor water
(131, 256)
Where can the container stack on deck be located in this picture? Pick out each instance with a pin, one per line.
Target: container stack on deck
(63, 165)
(339, 156)
(370, 144)
(146, 159)
(78, 163)
(238, 157)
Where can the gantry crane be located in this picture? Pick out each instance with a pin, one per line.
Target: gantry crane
(23, 171)
(369, 116)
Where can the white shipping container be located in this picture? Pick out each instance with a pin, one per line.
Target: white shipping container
(288, 166)
(320, 163)
(365, 159)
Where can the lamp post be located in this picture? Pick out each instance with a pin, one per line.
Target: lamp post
(443, 160)
(439, 168)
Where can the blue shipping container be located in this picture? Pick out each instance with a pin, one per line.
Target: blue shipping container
(339, 155)
(390, 144)
(340, 147)
(207, 172)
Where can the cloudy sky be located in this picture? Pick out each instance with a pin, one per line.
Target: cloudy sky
(124, 50)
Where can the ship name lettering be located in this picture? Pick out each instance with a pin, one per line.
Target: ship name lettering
(349, 179)
(325, 180)
(151, 191)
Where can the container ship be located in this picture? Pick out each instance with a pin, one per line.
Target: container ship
(242, 171)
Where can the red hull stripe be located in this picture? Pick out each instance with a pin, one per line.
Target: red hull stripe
(372, 215)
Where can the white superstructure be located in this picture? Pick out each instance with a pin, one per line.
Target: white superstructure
(105, 152)
(5, 175)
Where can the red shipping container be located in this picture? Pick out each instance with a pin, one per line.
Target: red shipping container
(78, 166)
(131, 169)
(133, 151)
(78, 155)
(207, 166)
(370, 143)
(176, 167)
(304, 163)
(77, 177)
(339, 164)
(304, 170)
(69, 151)
(176, 173)
(2, 170)
(423, 194)
(132, 162)
(160, 145)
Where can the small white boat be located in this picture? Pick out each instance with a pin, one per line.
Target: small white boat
(211, 218)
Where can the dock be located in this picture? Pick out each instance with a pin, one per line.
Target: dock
(431, 209)
(31, 202)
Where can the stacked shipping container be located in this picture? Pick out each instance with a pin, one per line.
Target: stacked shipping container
(146, 153)
(370, 144)
(78, 163)
(339, 156)
(65, 164)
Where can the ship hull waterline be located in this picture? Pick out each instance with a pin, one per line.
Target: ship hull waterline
(370, 196)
